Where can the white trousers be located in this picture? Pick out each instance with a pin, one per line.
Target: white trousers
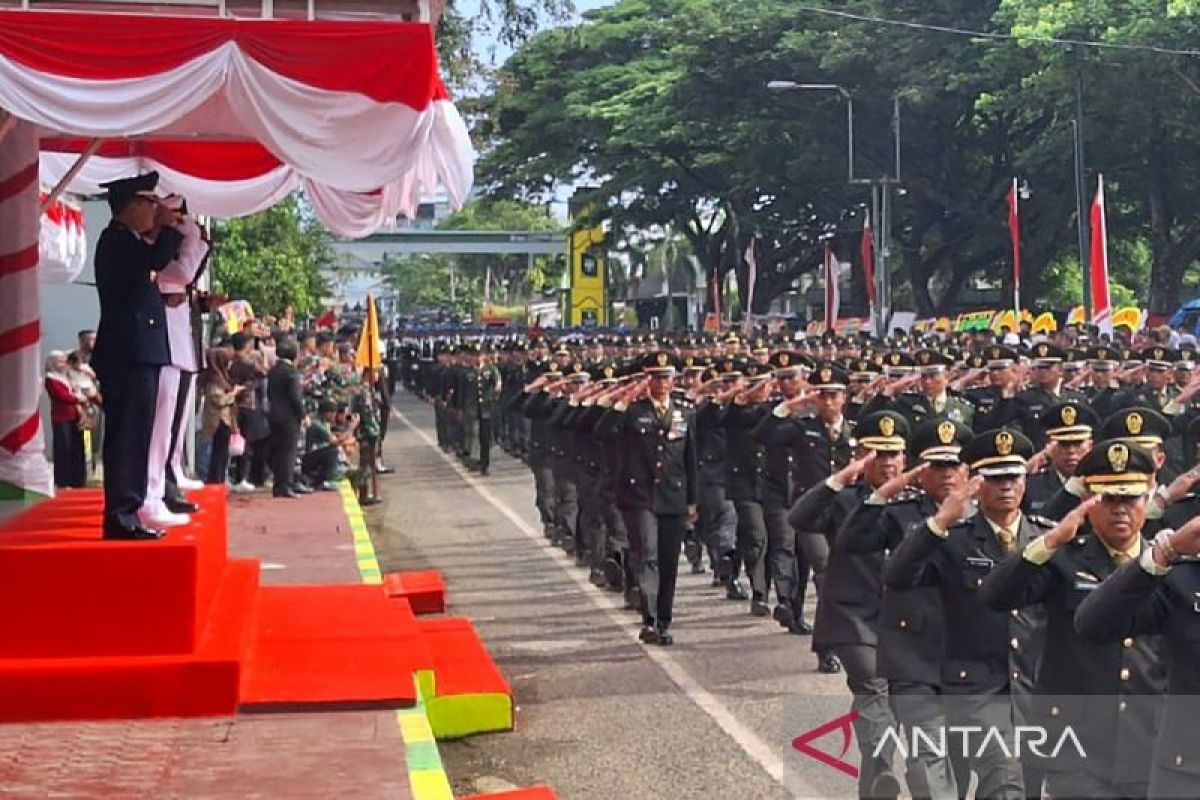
(184, 416)
(160, 438)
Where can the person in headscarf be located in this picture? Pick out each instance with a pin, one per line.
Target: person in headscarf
(70, 467)
(219, 419)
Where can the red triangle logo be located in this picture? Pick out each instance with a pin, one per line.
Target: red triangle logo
(844, 723)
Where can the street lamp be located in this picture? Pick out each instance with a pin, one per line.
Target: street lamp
(881, 194)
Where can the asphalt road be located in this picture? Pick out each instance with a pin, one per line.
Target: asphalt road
(599, 714)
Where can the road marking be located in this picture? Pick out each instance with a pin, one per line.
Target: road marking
(758, 750)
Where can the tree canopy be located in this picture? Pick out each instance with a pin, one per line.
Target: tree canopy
(272, 259)
(665, 104)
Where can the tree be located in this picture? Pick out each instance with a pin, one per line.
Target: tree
(272, 259)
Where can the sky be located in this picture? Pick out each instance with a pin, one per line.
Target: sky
(492, 52)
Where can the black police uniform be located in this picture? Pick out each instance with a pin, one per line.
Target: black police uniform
(131, 347)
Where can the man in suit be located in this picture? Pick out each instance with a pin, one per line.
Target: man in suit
(991, 658)
(656, 483)
(1108, 694)
(131, 344)
(286, 417)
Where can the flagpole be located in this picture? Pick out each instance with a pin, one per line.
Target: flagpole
(1014, 226)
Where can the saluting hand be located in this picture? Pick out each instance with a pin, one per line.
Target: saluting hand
(1186, 540)
(894, 486)
(1183, 484)
(1068, 528)
(954, 507)
(851, 472)
(1040, 458)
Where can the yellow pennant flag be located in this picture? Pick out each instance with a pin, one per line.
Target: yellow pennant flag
(369, 354)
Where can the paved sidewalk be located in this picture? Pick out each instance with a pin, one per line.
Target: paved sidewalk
(308, 755)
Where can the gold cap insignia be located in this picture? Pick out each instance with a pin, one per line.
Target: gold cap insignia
(895, 359)
(826, 375)
(1159, 353)
(1118, 457)
(784, 359)
(1004, 443)
(996, 352)
(609, 371)
(1069, 415)
(663, 359)
(1134, 423)
(887, 426)
(923, 357)
(1043, 350)
(945, 432)
(689, 361)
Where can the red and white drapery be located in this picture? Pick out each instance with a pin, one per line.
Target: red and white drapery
(62, 242)
(234, 114)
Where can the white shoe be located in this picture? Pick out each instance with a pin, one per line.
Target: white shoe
(162, 518)
(188, 484)
(245, 487)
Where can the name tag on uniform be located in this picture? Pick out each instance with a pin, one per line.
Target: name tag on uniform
(678, 426)
(980, 561)
(814, 434)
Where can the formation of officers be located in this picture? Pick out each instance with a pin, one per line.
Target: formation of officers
(998, 538)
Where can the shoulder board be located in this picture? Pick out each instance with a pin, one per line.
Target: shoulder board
(1042, 522)
(907, 496)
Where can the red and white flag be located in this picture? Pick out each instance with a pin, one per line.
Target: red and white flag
(1098, 274)
(833, 297)
(866, 249)
(1014, 230)
(752, 274)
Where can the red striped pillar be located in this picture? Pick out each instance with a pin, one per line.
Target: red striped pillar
(22, 448)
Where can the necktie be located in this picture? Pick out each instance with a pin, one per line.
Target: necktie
(939, 406)
(1008, 539)
(1120, 559)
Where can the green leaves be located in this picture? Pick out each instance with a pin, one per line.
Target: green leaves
(272, 259)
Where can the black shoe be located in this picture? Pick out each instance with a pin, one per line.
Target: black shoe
(665, 639)
(633, 598)
(133, 533)
(648, 635)
(385, 470)
(717, 581)
(735, 591)
(286, 493)
(568, 545)
(884, 787)
(369, 501)
(597, 579)
(698, 568)
(759, 608)
(828, 663)
(783, 615)
(692, 551)
(582, 558)
(800, 628)
(724, 567)
(180, 506)
(614, 574)
(327, 487)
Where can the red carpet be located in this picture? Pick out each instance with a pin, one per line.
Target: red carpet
(532, 793)
(94, 629)
(424, 591)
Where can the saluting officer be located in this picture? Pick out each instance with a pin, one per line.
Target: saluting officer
(1068, 426)
(1047, 391)
(1159, 593)
(909, 635)
(1108, 694)
(131, 344)
(848, 604)
(991, 658)
(656, 484)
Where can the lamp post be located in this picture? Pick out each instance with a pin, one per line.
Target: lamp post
(881, 193)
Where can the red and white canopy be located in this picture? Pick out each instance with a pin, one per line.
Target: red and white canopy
(235, 114)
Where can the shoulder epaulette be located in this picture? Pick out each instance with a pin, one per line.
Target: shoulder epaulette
(907, 496)
(1040, 521)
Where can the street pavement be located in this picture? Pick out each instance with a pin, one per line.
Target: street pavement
(598, 714)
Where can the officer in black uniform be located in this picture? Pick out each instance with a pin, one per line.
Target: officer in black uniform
(991, 658)
(1159, 593)
(909, 636)
(656, 484)
(848, 604)
(1068, 427)
(131, 343)
(717, 519)
(1108, 694)
(1047, 391)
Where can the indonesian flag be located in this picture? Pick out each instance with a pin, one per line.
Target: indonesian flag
(1014, 230)
(1098, 275)
(752, 264)
(866, 249)
(832, 296)
(327, 320)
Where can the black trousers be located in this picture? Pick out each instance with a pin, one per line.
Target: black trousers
(218, 459)
(319, 465)
(485, 442)
(70, 467)
(284, 437)
(661, 537)
(130, 397)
